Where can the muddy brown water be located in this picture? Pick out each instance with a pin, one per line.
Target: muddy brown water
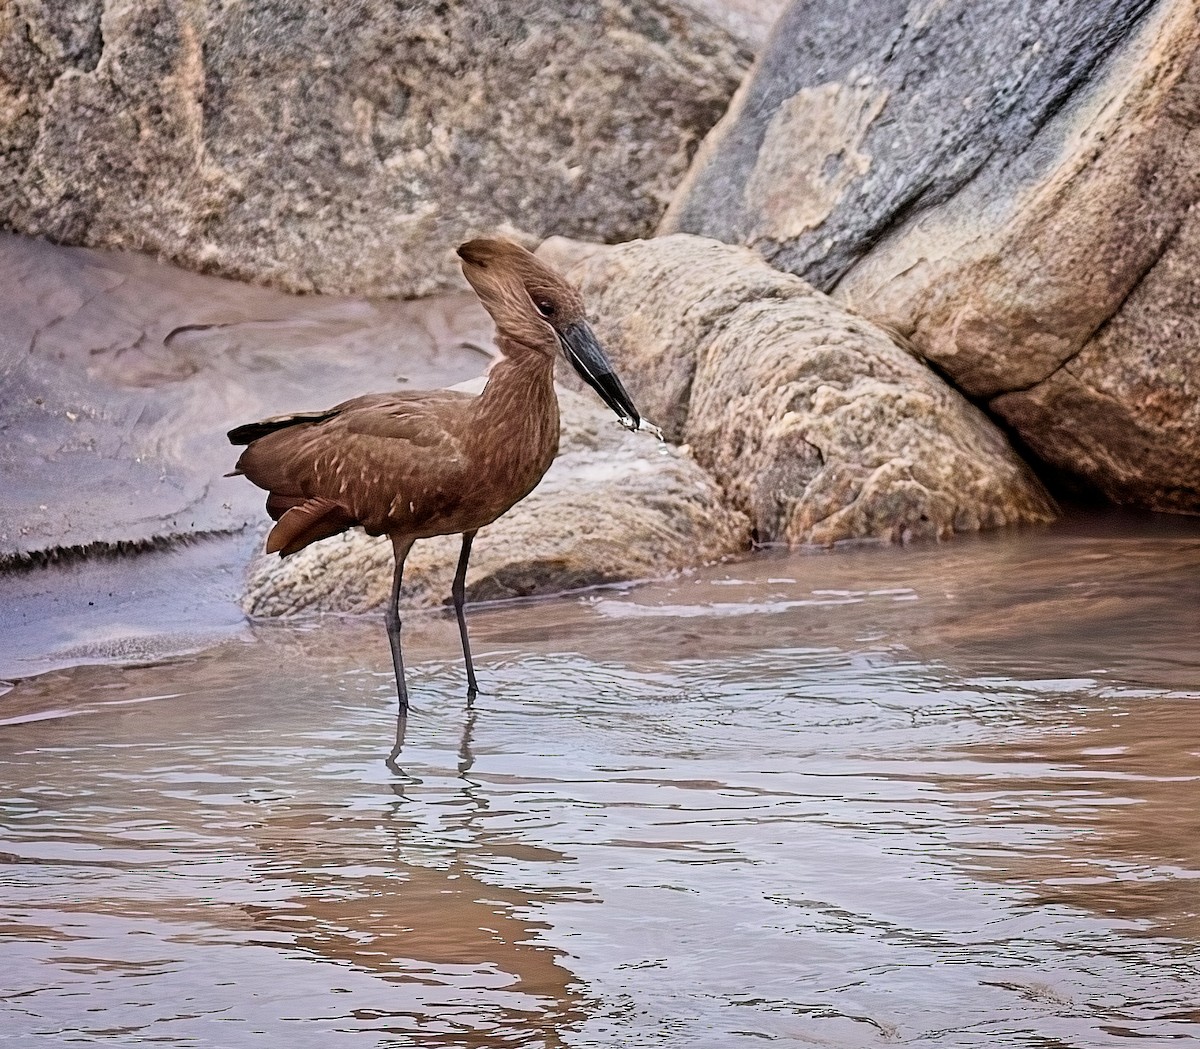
(941, 796)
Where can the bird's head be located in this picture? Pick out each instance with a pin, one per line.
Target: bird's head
(537, 311)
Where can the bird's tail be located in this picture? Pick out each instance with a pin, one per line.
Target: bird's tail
(305, 523)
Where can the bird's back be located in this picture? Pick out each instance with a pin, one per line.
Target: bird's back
(384, 461)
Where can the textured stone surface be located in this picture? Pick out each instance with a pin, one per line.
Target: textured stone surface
(1124, 412)
(614, 506)
(859, 116)
(349, 147)
(1023, 210)
(814, 421)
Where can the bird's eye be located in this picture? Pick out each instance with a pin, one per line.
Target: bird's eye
(546, 309)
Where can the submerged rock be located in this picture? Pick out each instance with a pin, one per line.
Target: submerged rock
(614, 506)
(349, 147)
(1011, 185)
(814, 421)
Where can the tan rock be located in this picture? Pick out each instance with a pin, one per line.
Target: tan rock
(1070, 302)
(1004, 283)
(1124, 412)
(614, 506)
(349, 147)
(813, 421)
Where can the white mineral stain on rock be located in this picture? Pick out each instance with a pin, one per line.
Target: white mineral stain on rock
(809, 156)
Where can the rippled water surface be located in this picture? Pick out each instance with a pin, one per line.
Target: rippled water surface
(943, 796)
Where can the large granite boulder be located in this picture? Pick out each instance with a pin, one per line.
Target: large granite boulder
(816, 423)
(1011, 185)
(349, 147)
(614, 506)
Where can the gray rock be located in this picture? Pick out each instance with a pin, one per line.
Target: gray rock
(349, 147)
(814, 422)
(859, 116)
(614, 506)
(1013, 186)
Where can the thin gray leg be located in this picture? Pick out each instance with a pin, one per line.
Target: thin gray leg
(459, 592)
(392, 619)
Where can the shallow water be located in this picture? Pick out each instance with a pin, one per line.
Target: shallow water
(942, 796)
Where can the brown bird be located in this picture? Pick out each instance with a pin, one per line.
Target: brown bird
(415, 464)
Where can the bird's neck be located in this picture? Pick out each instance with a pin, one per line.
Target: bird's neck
(519, 398)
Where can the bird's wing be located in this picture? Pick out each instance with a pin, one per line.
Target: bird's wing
(306, 522)
(401, 402)
(382, 460)
(422, 420)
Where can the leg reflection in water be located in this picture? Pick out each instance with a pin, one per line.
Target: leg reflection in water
(390, 760)
(466, 756)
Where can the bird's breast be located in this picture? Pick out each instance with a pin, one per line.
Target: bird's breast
(474, 489)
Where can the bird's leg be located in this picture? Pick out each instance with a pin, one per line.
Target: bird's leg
(392, 619)
(401, 727)
(459, 591)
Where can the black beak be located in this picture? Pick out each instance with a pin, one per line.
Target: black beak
(584, 352)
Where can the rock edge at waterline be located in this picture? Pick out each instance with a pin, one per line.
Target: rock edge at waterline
(614, 506)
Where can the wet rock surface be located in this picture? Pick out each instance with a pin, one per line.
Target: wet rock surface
(614, 506)
(1024, 209)
(348, 148)
(814, 421)
(121, 375)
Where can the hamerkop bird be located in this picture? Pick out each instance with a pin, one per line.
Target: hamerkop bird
(415, 464)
